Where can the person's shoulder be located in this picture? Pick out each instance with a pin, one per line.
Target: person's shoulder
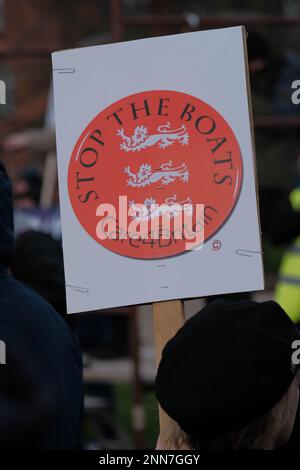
(24, 304)
(25, 314)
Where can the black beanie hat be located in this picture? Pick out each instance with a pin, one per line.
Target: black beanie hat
(6, 214)
(226, 367)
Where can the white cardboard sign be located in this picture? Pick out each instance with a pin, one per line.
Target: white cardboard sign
(157, 121)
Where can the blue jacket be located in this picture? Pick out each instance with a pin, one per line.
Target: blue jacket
(41, 390)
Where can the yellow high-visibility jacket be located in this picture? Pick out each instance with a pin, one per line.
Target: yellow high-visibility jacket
(287, 290)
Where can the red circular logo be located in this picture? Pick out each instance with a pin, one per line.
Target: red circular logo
(152, 172)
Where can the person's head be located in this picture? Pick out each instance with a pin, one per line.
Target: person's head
(6, 218)
(227, 377)
(27, 188)
(258, 52)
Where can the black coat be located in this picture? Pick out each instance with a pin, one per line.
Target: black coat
(41, 389)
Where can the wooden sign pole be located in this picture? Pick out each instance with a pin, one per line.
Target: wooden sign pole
(168, 318)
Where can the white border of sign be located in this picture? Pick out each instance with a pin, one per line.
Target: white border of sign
(209, 65)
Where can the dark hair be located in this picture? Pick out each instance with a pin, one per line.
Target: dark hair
(33, 179)
(258, 46)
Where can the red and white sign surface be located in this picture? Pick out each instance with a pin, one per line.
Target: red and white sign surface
(168, 132)
(155, 147)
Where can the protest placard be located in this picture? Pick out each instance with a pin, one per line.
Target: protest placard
(151, 129)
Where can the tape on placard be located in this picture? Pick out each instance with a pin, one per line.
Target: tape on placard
(84, 290)
(248, 253)
(65, 70)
